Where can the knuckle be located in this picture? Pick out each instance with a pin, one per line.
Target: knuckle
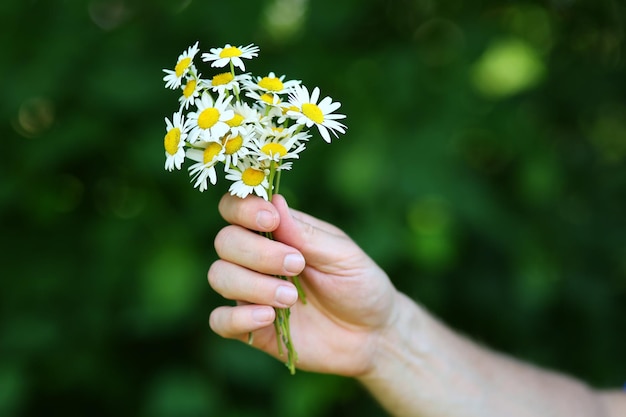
(269, 261)
(263, 258)
(222, 238)
(234, 209)
(223, 322)
(214, 322)
(215, 273)
(225, 205)
(308, 229)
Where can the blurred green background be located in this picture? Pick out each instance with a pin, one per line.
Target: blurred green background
(483, 169)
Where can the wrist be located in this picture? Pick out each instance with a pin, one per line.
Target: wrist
(420, 367)
(401, 350)
(416, 360)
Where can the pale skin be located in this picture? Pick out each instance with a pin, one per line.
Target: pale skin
(356, 324)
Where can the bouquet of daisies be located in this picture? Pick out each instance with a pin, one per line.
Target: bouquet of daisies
(249, 127)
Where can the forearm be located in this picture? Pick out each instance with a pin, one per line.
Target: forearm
(424, 369)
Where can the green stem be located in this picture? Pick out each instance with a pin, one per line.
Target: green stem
(278, 329)
(281, 323)
(301, 294)
(277, 181)
(272, 189)
(232, 71)
(283, 334)
(295, 279)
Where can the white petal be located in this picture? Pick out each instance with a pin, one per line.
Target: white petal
(315, 95)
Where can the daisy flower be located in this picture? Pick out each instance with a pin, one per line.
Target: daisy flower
(288, 112)
(312, 113)
(271, 131)
(220, 57)
(248, 178)
(209, 154)
(244, 117)
(270, 105)
(174, 142)
(236, 146)
(277, 150)
(227, 81)
(191, 92)
(264, 99)
(272, 84)
(184, 65)
(209, 121)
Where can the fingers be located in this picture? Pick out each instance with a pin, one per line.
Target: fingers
(237, 283)
(256, 293)
(235, 322)
(246, 267)
(320, 242)
(252, 212)
(243, 247)
(279, 202)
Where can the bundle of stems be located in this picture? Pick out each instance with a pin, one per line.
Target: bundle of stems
(281, 322)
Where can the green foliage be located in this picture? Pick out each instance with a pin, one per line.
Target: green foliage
(483, 168)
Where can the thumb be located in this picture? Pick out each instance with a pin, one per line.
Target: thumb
(320, 242)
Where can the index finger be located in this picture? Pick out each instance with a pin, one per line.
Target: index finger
(251, 212)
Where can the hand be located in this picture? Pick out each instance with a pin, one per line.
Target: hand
(350, 300)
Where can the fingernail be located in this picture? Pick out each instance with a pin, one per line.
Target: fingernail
(265, 219)
(294, 263)
(286, 295)
(262, 315)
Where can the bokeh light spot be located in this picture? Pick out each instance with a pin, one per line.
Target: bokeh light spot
(35, 116)
(430, 222)
(283, 19)
(108, 14)
(507, 67)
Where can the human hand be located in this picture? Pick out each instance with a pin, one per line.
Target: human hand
(350, 300)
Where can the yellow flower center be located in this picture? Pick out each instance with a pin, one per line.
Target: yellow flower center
(292, 108)
(208, 118)
(190, 87)
(212, 150)
(271, 84)
(221, 79)
(233, 144)
(182, 66)
(230, 52)
(268, 98)
(235, 121)
(313, 112)
(252, 177)
(172, 140)
(274, 149)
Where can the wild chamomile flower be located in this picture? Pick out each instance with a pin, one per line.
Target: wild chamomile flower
(209, 121)
(244, 117)
(236, 146)
(248, 178)
(277, 150)
(220, 57)
(227, 81)
(174, 142)
(272, 131)
(268, 104)
(191, 91)
(272, 84)
(288, 112)
(206, 157)
(184, 65)
(312, 113)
